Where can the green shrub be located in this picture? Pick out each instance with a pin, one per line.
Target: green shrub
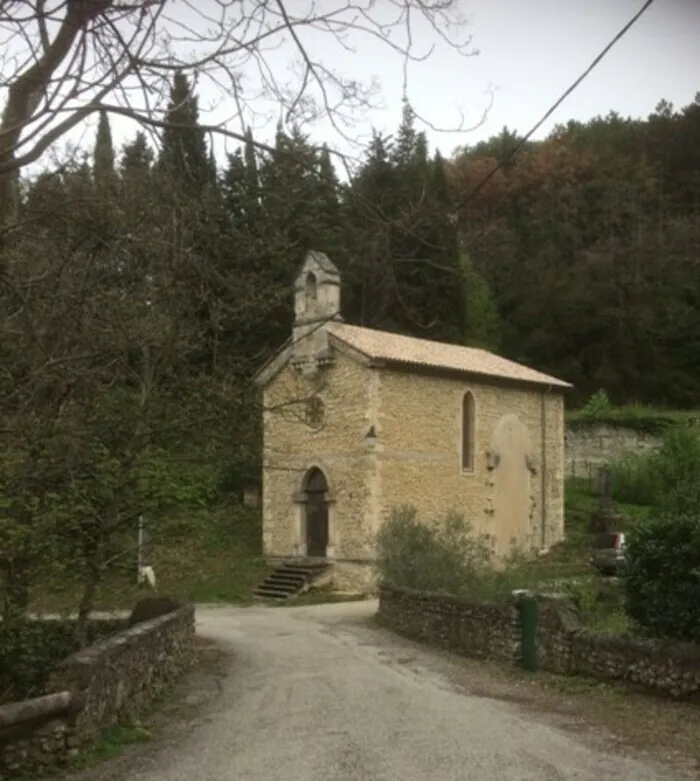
(678, 465)
(637, 417)
(663, 576)
(30, 650)
(443, 557)
(635, 478)
(448, 557)
(667, 479)
(597, 407)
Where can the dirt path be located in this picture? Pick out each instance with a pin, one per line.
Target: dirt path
(323, 693)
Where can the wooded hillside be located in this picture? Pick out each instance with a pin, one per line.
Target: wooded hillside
(143, 288)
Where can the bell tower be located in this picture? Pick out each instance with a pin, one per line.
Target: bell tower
(316, 303)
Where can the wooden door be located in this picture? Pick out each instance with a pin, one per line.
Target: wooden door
(316, 514)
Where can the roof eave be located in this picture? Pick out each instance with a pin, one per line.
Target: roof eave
(273, 366)
(552, 384)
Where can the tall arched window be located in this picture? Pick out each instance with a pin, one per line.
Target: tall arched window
(468, 432)
(311, 293)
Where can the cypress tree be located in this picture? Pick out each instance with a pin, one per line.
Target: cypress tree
(184, 156)
(103, 155)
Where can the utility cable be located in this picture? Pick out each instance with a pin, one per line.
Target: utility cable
(563, 97)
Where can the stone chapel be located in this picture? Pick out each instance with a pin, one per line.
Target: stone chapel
(357, 422)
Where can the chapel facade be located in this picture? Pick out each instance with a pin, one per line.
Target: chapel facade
(358, 422)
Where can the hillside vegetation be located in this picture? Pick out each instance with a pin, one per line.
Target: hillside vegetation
(142, 289)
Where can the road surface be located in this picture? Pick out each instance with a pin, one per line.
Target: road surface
(319, 694)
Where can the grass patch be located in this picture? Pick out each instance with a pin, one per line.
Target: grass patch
(210, 557)
(613, 622)
(111, 744)
(581, 686)
(580, 503)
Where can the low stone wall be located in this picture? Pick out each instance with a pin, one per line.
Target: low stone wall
(590, 447)
(671, 669)
(480, 630)
(564, 645)
(94, 688)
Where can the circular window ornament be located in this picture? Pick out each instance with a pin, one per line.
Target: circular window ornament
(315, 412)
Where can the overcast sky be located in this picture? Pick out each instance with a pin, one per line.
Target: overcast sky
(529, 53)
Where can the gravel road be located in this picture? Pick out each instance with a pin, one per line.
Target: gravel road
(318, 694)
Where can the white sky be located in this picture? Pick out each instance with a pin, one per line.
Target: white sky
(529, 53)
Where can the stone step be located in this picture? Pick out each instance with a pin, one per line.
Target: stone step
(303, 570)
(290, 583)
(289, 579)
(271, 591)
(296, 576)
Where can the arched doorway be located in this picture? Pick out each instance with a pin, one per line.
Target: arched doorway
(316, 494)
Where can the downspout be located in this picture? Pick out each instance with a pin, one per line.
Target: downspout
(543, 467)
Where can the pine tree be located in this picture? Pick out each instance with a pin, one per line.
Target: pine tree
(233, 187)
(252, 181)
(406, 139)
(481, 320)
(137, 157)
(184, 156)
(410, 279)
(328, 187)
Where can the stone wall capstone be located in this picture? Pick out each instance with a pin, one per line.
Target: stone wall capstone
(564, 645)
(94, 688)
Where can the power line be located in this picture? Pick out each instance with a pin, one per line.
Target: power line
(563, 97)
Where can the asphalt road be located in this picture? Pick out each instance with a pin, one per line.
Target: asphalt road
(317, 694)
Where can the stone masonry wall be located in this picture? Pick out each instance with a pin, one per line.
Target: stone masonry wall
(589, 448)
(416, 458)
(672, 669)
(94, 688)
(479, 630)
(337, 447)
(419, 454)
(564, 646)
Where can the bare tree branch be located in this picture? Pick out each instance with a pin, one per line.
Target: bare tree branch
(62, 60)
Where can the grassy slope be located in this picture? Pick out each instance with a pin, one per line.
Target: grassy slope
(212, 556)
(215, 556)
(647, 420)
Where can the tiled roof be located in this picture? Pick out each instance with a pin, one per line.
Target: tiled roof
(382, 345)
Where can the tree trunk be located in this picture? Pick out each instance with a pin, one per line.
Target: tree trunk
(85, 608)
(16, 577)
(92, 552)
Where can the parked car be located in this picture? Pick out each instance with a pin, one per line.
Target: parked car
(609, 553)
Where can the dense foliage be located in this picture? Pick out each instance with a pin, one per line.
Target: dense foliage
(29, 652)
(444, 557)
(141, 289)
(589, 241)
(663, 577)
(666, 479)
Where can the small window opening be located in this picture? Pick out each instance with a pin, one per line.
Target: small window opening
(311, 293)
(468, 432)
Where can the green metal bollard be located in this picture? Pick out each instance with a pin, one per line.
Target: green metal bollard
(529, 611)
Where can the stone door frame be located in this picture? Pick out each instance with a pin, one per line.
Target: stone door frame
(301, 499)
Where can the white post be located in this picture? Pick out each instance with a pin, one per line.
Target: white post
(139, 564)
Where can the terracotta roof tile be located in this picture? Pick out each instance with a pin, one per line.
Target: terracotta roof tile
(382, 345)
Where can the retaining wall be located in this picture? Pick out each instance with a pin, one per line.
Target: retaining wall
(564, 645)
(95, 688)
